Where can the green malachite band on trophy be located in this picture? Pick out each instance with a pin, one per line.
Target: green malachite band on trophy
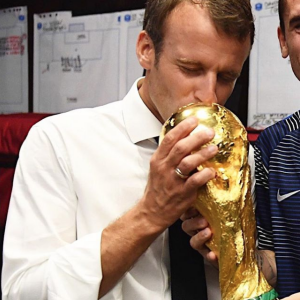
(271, 295)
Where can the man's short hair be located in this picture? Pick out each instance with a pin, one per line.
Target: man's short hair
(233, 17)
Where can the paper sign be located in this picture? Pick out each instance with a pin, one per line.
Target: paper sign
(13, 60)
(84, 61)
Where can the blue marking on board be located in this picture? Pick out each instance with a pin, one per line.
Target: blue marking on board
(39, 25)
(258, 6)
(127, 18)
(119, 19)
(21, 17)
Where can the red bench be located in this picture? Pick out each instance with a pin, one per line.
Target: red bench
(13, 130)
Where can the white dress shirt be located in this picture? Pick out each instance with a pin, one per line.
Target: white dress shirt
(78, 172)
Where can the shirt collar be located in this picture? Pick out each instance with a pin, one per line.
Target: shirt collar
(140, 123)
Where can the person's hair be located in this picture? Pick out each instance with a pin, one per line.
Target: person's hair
(281, 11)
(233, 17)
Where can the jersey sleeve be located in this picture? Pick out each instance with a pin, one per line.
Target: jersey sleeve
(262, 209)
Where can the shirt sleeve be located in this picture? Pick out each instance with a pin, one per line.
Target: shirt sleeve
(42, 257)
(262, 210)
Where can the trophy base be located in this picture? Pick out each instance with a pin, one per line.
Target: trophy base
(271, 295)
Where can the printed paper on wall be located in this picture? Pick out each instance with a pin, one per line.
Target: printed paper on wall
(13, 60)
(84, 61)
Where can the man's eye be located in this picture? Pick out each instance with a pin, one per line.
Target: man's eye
(227, 79)
(190, 70)
(297, 27)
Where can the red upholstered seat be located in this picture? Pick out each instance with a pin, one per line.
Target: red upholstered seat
(13, 130)
(253, 134)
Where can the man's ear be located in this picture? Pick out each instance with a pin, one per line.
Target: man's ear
(145, 50)
(282, 41)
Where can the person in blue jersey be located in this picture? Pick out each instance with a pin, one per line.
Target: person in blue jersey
(277, 168)
(277, 155)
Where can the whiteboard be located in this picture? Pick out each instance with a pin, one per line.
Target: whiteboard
(84, 61)
(274, 91)
(13, 60)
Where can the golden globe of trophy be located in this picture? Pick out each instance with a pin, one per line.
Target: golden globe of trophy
(226, 203)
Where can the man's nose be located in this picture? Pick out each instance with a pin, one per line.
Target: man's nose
(206, 90)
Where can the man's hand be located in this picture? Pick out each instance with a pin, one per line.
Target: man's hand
(195, 225)
(167, 195)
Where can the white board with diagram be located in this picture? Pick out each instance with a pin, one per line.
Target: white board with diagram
(84, 61)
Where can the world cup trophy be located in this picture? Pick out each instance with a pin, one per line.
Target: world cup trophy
(226, 203)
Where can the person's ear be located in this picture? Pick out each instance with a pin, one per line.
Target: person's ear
(282, 41)
(145, 50)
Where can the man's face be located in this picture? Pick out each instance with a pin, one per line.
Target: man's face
(197, 63)
(290, 39)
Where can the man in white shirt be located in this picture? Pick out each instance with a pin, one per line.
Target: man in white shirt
(93, 195)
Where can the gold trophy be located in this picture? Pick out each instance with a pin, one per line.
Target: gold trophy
(226, 203)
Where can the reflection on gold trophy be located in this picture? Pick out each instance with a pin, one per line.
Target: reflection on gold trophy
(226, 203)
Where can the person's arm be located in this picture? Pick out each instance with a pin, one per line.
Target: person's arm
(265, 258)
(165, 199)
(265, 250)
(123, 242)
(293, 297)
(44, 259)
(267, 264)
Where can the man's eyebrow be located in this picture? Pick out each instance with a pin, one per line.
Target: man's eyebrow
(199, 64)
(232, 74)
(294, 20)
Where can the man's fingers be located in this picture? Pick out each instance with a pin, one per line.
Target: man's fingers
(191, 144)
(190, 213)
(200, 178)
(170, 191)
(182, 130)
(212, 258)
(194, 225)
(198, 243)
(198, 240)
(191, 162)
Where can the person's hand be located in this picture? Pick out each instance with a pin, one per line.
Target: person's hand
(292, 297)
(195, 225)
(167, 196)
